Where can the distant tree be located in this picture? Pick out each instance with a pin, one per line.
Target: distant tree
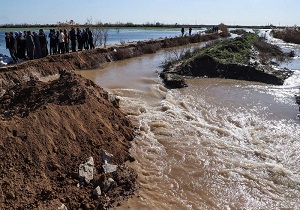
(100, 34)
(89, 21)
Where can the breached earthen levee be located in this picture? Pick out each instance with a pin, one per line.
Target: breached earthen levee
(89, 59)
(50, 127)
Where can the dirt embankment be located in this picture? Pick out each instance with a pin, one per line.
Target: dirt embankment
(47, 130)
(88, 59)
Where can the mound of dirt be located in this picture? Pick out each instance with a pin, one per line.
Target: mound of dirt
(47, 130)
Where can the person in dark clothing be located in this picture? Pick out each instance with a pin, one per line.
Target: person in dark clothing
(16, 43)
(21, 46)
(73, 39)
(85, 39)
(182, 31)
(52, 42)
(190, 31)
(12, 47)
(18, 40)
(79, 39)
(37, 50)
(30, 45)
(7, 40)
(91, 39)
(43, 42)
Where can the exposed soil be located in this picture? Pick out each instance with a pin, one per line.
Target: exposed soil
(48, 130)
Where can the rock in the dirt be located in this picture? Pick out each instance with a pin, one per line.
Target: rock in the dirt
(109, 168)
(97, 191)
(114, 100)
(86, 170)
(62, 207)
(107, 184)
(106, 156)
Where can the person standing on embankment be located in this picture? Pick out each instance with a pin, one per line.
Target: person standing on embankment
(12, 47)
(30, 45)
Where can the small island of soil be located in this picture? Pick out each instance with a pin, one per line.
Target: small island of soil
(247, 57)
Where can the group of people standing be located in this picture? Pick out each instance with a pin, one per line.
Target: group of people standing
(34, 45)
(79, 39)
(190, 31)
(26, 45)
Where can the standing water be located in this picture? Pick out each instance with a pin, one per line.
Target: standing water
(217, 144)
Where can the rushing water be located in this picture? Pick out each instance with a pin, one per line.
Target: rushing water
(217, 144)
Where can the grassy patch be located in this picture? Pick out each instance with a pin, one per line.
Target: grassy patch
(236, 51)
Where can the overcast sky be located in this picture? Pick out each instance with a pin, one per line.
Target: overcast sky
(231, 12)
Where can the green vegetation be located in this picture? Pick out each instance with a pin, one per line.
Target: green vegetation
(290, 35)
(239, 51)
(235, 51)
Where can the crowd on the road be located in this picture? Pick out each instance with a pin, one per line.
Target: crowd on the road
(34, 45)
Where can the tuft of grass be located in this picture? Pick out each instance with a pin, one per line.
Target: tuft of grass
(238, 31)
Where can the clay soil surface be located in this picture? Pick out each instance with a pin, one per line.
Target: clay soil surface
(47, 130)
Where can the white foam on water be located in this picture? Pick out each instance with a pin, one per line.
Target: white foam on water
(221, 157)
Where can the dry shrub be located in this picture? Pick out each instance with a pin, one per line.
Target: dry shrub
(208, 37)
(183, 40)
(291, 35)
(269, 51)
(148, 48)
(195, 38)
(224, 29)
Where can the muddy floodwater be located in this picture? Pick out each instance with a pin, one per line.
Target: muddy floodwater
(217, 144)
